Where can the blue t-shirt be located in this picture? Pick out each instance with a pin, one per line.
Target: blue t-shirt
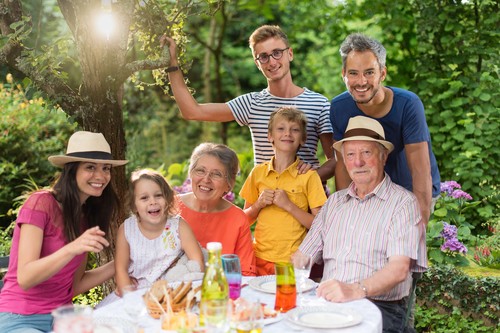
(404, 124)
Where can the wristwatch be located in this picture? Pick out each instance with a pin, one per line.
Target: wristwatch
(172, 69)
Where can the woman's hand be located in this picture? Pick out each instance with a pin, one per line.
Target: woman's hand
(92, 240)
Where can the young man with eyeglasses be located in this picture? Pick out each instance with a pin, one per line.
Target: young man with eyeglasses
(272, 54)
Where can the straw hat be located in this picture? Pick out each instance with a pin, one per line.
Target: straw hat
(362, 128)
(86, 147)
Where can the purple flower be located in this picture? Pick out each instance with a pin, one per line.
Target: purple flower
(229, 196)
(449, 231)
(448, 186)
(184, 188)
(454, 245)
(461, 194)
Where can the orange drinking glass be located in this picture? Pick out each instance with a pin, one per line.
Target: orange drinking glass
(285, 287)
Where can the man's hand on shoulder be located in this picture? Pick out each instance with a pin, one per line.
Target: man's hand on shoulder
(303, 167)
(339, 292)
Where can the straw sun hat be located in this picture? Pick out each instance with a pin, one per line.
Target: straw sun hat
(86, 147)
(364, 129)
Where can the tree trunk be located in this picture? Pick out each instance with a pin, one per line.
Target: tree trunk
(100, 59)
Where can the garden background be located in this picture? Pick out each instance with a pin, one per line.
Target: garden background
(445, 51)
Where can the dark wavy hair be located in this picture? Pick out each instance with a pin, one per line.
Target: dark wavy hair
(99, 211)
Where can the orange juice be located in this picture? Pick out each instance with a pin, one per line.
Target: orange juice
(285, 297)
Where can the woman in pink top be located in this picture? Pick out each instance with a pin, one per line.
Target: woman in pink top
(54, 231)
(213, 172)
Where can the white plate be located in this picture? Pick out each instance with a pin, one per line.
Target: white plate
(119, 325)
(267, 284)
(324, 316)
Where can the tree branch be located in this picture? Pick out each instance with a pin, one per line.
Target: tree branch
(140, 65)
(14, 54)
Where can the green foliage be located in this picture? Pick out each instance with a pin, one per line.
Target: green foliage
(488, 253)
(457, 78)
(6, 239)
(428, 320)
(445, 283)
(246, 166)
(435, 241)
(90, 298)
(28, 135)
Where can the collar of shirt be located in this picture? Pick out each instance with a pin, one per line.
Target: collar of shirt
(292, 169)
(381, 190)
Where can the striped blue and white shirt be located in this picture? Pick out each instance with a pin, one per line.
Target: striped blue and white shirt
(355, 237)
(254, 109)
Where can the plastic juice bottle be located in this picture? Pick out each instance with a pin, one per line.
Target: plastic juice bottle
(214, 291)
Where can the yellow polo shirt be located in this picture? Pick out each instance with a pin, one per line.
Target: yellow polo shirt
(277, 233)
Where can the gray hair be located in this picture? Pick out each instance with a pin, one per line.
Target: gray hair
(226, 156)
(361, 43)
(381, 148)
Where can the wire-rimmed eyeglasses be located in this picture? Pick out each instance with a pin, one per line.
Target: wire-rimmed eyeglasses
(215, 175)
(276, 54)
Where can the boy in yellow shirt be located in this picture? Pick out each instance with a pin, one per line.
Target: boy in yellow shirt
(284, 202)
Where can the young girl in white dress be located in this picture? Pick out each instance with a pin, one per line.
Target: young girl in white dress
(149, 242)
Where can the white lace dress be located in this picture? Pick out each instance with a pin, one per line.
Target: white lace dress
(149, 258)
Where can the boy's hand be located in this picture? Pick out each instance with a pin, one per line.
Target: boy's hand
(303, 167)
(281, 200)
(265, 199)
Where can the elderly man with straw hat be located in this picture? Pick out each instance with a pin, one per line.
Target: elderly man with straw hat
(370, 235)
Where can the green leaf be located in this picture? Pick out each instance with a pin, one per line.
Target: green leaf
(437, 255)
(26, 82)
(462, 261)
(464, 231)
(441, 212)
(485, 97)
(456, 102)
(175, 169)
(468, 225)
(14, 25)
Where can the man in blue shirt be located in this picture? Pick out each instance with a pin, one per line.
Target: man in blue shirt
(401, 113)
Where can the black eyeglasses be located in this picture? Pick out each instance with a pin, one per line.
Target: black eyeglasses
(277, 55)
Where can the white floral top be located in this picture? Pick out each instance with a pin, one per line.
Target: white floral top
(150, 258)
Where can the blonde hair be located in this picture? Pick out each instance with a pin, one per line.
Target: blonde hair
(291, 114)
(166, 190)
(264, 33)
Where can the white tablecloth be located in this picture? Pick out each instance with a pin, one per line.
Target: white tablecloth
(372, 317)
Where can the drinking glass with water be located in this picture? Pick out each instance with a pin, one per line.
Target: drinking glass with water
(232, 268)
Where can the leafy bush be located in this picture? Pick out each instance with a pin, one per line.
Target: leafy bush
(29, 134)
(448, 227)
(457, 78)
(488, 254)
(452, 287)
(6, 239)
(428, 320)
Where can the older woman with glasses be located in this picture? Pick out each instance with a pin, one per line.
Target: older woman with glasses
(213, 170)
